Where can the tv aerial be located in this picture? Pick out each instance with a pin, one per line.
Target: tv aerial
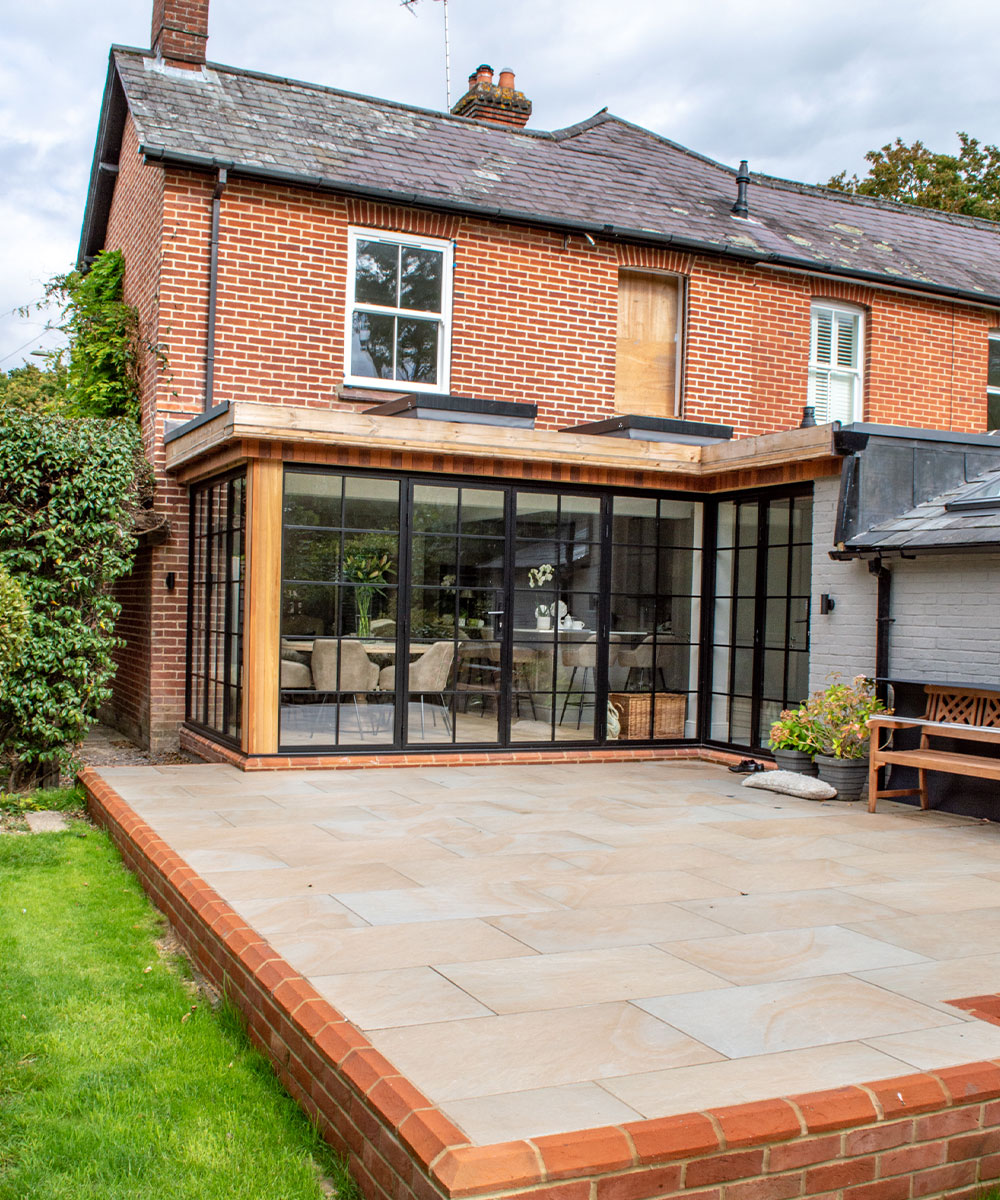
(411, 6)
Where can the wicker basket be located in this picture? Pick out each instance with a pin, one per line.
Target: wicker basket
(633, 709)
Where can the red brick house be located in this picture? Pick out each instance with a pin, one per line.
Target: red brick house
(464, 428)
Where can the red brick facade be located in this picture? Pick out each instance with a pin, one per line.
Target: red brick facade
(534, 319)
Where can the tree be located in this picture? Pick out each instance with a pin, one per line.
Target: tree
(33, 390)
(966, 183)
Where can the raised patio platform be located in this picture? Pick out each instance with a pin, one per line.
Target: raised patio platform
(596, 980)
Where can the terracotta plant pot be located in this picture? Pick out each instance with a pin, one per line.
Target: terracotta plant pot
(847, 775)
(795, 760)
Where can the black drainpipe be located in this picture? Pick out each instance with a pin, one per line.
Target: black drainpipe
(213, 283)
(883, 620)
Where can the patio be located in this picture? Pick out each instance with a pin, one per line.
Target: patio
(550, 947)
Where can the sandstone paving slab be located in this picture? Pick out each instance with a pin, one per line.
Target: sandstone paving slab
(790, 1015)
(938, 935)
(576, 977)
(381, 947)
(600, 928)
(540, 1111)
(793, 954)
(46, 821)
(756, 1077)
(486, 1056)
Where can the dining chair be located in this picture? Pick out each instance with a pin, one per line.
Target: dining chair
(357, 675)
(640, 658)
(429, 676)
(579, 656)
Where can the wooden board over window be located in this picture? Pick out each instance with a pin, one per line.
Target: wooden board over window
(646, 363)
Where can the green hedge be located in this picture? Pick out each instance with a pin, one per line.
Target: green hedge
(68, 492)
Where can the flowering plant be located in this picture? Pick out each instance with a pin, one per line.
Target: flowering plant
(538, 577)
(839, 717)
(795, 729)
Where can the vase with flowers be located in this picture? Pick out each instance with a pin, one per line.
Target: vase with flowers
(538, 577)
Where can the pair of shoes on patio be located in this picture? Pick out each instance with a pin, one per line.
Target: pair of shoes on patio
(746, 766)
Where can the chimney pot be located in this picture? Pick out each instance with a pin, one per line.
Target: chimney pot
(499, 103)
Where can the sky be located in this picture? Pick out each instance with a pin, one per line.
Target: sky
(799, 89)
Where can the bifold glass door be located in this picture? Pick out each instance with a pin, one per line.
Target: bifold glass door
(419, 613)
(760, 662)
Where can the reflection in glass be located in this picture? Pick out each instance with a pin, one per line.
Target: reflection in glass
(377, 274)
(417, 351)
(373, 345)
(420, 279)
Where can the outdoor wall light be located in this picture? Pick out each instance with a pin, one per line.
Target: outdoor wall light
(826, 604)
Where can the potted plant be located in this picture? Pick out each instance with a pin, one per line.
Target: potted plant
(793, 740)
(538, 577)
(368, 566)
(840, 715)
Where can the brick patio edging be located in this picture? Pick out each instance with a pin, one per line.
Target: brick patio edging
(206, 748)
(921, 1135)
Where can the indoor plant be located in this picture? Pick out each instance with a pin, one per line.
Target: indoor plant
(793, 740)
(538, 577)
(840, 715)
(368, 566)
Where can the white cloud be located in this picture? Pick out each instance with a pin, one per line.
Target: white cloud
(800, 90)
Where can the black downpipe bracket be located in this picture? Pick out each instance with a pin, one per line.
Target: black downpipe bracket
(213, 284)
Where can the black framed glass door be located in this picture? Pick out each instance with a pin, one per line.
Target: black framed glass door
(760, 656)
(435, 612)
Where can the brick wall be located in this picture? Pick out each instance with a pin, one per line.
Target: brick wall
(930, 1134)
(535, 317)
(128, 708)
(842, 641)
(945, 627)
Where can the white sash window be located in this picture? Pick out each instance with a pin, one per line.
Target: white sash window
(835, 363)
(398, 311)
(993, 382)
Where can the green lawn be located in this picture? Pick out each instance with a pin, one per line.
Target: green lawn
(116, 1079)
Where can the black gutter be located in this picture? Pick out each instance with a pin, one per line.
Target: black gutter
(624, 233)
(213, 286)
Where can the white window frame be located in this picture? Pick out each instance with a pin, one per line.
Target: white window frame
(992, 393)
(855, 374)
(444, 317)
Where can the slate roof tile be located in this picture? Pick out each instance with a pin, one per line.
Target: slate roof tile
(602, 172)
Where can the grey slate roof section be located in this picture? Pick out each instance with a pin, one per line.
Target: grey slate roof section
(603, 175)
(931, 527)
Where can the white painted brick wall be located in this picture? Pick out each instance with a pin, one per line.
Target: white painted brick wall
(842, 641)
(947, 619)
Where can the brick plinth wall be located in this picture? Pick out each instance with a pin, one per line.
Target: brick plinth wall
(925, 1135)
(206, 748)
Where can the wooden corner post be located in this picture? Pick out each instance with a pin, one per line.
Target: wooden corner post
(262, 647)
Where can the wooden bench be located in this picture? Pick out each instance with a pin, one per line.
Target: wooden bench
(965, 714)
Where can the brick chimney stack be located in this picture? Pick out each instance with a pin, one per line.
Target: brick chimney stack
(180, 32)
(495, 102)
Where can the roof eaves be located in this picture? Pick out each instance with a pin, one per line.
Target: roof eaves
(107, 146)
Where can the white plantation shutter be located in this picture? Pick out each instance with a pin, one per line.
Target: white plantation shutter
(835, 364)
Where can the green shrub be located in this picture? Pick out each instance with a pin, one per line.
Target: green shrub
(13, 620)
(68, 492)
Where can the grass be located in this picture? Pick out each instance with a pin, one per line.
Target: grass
(117, 1080)
(13, 805)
